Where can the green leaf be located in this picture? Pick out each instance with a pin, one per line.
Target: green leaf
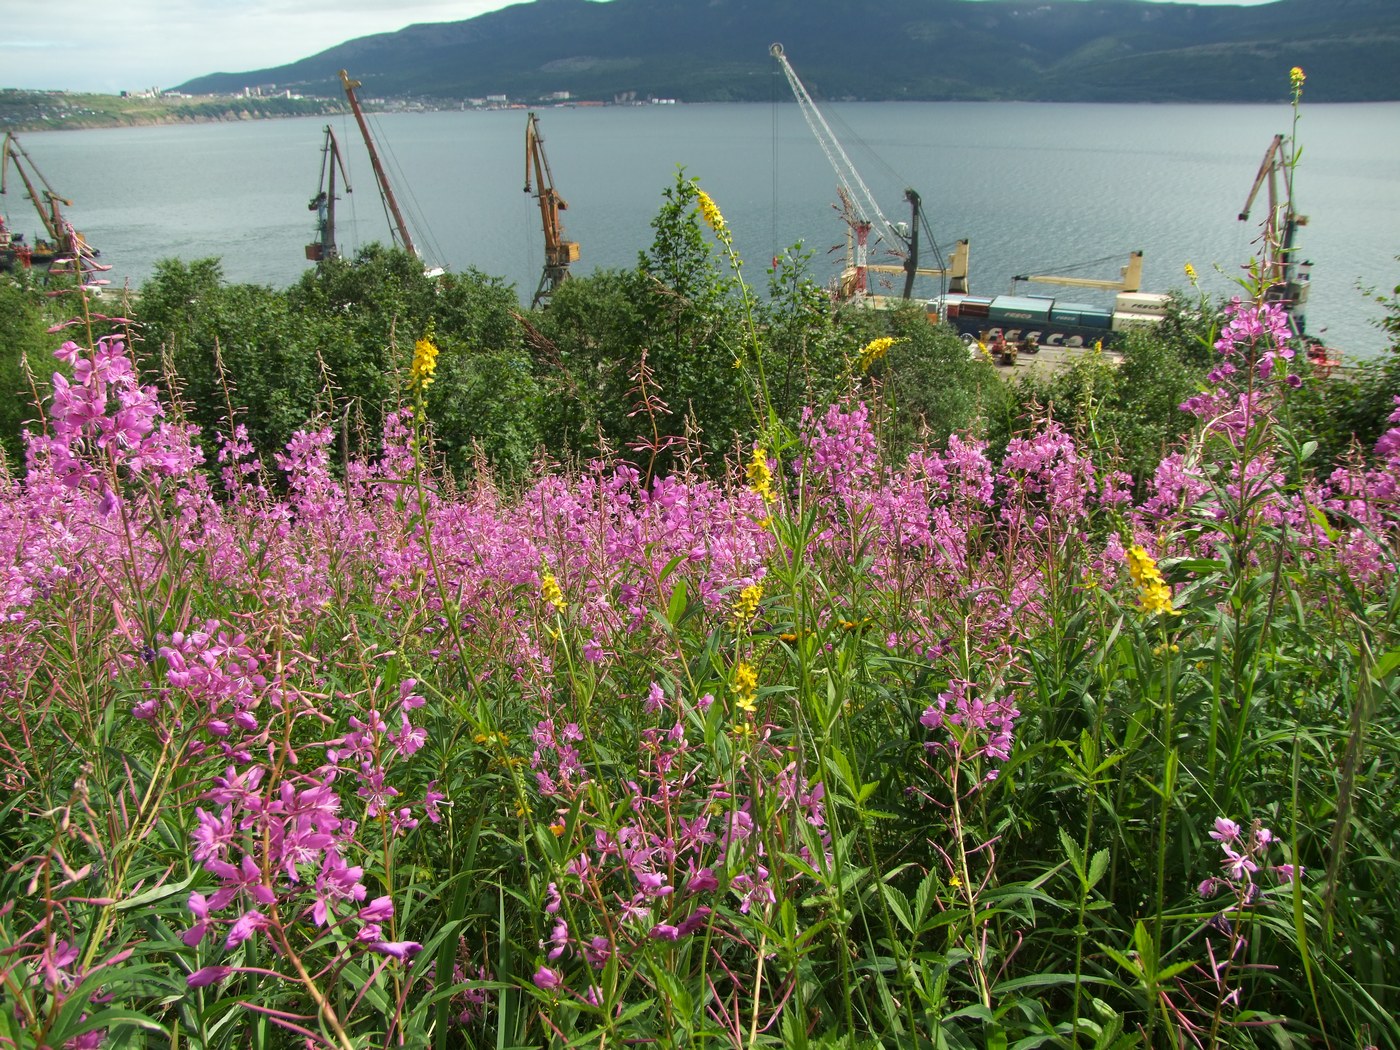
(679, 599)
(1097, 866)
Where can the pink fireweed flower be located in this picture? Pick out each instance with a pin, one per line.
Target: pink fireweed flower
(1225, 830)
(381, 909)
(207, 976)
(399, 950)
(546, 979)
(244, 927)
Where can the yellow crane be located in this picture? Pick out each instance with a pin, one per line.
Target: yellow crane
(1129, 278)
(558, 253)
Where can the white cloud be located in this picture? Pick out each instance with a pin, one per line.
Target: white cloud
(144, 43)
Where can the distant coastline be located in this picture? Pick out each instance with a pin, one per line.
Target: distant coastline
(26, 111)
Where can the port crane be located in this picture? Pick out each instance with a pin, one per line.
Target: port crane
(558, 253)
(1286, 279)
(398, 228)
(862, 214)
(62, 239)
(323, 204)
(1129, 278)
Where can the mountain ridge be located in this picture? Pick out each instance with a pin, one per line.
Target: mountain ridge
(926, 50)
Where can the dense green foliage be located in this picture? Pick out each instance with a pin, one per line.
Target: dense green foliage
(336, 345)
(24, 342)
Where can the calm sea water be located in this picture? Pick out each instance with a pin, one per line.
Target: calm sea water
(1035, 187)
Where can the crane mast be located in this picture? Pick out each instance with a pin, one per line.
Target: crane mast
(1287, 280)
(859, 209)
(323, 204)
(52, 220)
(558, 253)
(399, 227)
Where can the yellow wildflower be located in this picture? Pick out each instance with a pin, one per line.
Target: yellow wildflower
(955, 883)
(747, 605)
(1153, 592)
(1191, 274)
(759, 476)
(550, 592)
(420, 373)
(557, 830)
(873, 351)
(745, 688)
(709, 211)
(1296, 77)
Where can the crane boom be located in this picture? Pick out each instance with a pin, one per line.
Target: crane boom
(323, 204)
(558, 253)
(859, 208)
(1286, 277)
(400, 228)
(52, 219)
(1129, 280)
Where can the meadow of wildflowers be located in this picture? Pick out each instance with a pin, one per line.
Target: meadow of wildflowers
(823, 748)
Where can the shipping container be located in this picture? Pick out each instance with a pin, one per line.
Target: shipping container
(975, 306)
(1093, 317)
(1021, 308)
(1141, 303)
(1123, 322)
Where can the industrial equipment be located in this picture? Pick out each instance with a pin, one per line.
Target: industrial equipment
(558, 253)
(323, 204)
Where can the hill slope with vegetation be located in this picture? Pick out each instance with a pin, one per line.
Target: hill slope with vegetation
(1093, 50)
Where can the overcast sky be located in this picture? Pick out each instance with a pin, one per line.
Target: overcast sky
(133, 44)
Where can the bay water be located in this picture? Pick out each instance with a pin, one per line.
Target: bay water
(1035, 187)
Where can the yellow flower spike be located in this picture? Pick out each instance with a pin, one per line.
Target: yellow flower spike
(1296, 78)
(420, 373)
(1191, 274)
(745, 688)
(873, 351)
(760, 478)
(1153, 593)
(709, 211)
(550, 592)
(747, 605)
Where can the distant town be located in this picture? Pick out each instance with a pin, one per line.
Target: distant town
(24, 110)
